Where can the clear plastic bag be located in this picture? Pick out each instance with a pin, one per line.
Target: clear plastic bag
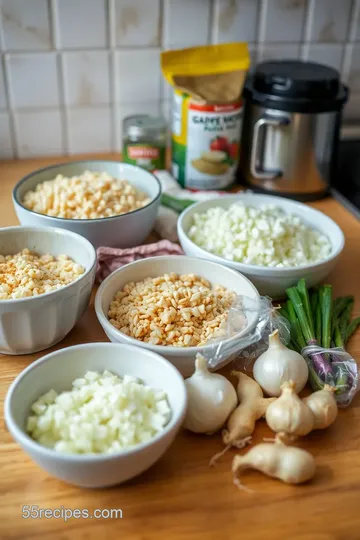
(246, 331)
(246, 336)
(342, 372)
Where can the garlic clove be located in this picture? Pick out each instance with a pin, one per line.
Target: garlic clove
(323, 406)
(279, 364)
(211, 399)
(288, 414)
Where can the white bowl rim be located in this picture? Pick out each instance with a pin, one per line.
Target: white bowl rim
(25, 439)
(244, 267)
(164, 349)
(64, 232)
(96, 220)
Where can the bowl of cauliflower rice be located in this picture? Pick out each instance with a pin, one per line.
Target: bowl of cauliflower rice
(271, 240)
(109, 203)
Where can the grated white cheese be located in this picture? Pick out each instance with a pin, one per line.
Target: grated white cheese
(103, 413)
(264, 236)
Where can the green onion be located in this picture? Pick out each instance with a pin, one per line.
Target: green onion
(314, 297)
(344, 319)
(318, 323)
(337, 338)
(301, 314)
(341, 303)
(316, 319)
(174, 203)
(352, 327)
(325, 299)
(301, 287)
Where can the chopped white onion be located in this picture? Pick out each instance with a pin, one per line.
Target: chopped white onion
(103, 413)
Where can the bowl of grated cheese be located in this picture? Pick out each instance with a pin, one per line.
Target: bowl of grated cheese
(272, 240)
(97, 414)
(108, 202)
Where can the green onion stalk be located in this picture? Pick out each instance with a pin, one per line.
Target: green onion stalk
(317, 320)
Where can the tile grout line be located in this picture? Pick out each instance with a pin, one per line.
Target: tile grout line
(354, 19)
(10, 108)
(8, 97)
(60, 74)
(308, 21)
(111, 23)
(164, 14)
(213, 14)
(350, 44)
(261, 31)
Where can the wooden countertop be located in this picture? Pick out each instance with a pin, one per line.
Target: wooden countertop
(181, 496)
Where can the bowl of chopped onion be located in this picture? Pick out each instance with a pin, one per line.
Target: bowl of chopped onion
(108, 202)
(98, 414)
(272, 240)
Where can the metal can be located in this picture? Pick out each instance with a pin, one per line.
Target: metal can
(205, 142)
(144, 141)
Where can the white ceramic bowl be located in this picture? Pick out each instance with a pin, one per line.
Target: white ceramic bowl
(182, 357)
(57, 370)
(126, 230)
(269, 281)
(35, 323)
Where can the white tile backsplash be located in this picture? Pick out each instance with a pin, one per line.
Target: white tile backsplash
(6, 149)
(38, 133)
(330, 21)
(235, 20)
(352, 108)
(284, 20)
(278, 51)
(329, 54)
(137, 23)
(71, 70)
(89, 130)
(138, 75)
(26, 25)
(188, 21)
(33, 79)
(86, 78)
(354, 70)
(81, 24)
(3, 102)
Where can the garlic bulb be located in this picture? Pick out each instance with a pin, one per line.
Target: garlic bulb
(323, 406)
(211, 399)
(288, 414)
(279, 364)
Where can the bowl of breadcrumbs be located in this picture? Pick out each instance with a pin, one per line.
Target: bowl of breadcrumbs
(176, 306)
(108, 202)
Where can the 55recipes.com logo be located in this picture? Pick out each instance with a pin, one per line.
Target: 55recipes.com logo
(35, 512)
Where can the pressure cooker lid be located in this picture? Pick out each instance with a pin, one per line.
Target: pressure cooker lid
(295, 86)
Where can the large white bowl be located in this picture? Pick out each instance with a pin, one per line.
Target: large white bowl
(269, 281)
(124, 231)
(35, 323)
(57, 370)
(182, 357)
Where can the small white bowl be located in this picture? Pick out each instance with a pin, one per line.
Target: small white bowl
(57, 370)
(124, 231)
(34, 323)
(269, 281)
(182, 357)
